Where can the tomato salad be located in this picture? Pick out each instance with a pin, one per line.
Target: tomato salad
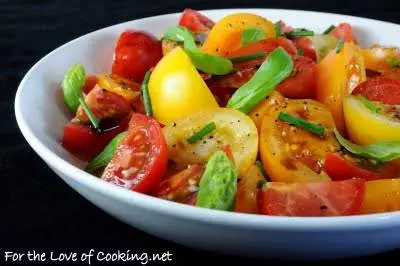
(244, 114)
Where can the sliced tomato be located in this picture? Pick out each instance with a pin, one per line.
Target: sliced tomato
(85, 142)
(265, 46)
(380, 89)
(246, 196)
(141, 157)
(181, 185)
(341, 167)
(301, 85)
(90, 83)
(344, 31)
(326, 198)
(104, 105)
(305, 44)
(382, 196)
(195, 21)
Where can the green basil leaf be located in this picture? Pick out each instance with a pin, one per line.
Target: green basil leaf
(72, 85)
(207, 63)
(104, 157)
(218, 185)
(276, 68)
(383, 151)
(250, 35)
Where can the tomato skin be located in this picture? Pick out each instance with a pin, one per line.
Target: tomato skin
(327, 198)
(306, 45)
(302, 84)
(246, 195)
(382, 196)
(340, 168)
(90, 83)
(380, 89)
(85, 143)
(141, 157)
(345, 31)
(195, 21)
(135, 53)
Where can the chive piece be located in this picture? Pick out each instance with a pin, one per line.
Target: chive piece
(93, 119)
(299, 33)
(278, 28)
(210, 127)
(145, 93)
(252, 35)
(247, 57)
(300, 52)
(261, 184)
(304, 124)
(370, 105)
(339, 45)
(328, 30)
(261, 167)
(393, 63)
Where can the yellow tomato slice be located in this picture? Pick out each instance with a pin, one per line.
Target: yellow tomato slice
(176, 88)
(226, 35)
(337, 75)
(376, 57)
(233, 128)
(291, 154)
(382, 196)
(365, 127)
(246, 196)
(118, 85)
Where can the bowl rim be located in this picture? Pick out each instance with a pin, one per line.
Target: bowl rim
(224, 218)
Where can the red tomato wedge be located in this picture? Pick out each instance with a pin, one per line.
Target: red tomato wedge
(90, 83)
(326, 198)
(104, 105)
(85, 142)
(195, 21)
(141, 157)
(344, 31)
(265, 46)
(306, 45)
(301, 85)
(339, 167)
(380, 89)
(135, 53)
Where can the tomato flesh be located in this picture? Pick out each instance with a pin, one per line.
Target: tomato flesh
(195, 21)
(380, 89)
(135, 53)
(141, 157)
(90, 83)
(326, 198)
(306, 45)
(344, 31)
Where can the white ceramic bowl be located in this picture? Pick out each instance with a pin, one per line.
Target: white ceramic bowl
(41, 115)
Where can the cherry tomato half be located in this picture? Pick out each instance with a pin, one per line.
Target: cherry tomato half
(340, 167)
(380, 89)
(306, 44)
(141, 157)
(135, 53)
(344, 31)
(195, 21)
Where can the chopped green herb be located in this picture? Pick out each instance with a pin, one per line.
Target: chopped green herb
(339, 45)
(261, 167)
(328, 30)
(247, 57)
(278, 28)
(93, 119)
(300, 52)
(144, 89)
(393, 63)
(261, 184)
(251, 35)
(207, 129)
(370, 105)
(301, 123)
(299, 33)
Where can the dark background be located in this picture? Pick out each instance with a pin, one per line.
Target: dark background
(39, 211)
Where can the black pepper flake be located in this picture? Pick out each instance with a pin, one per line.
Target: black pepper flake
(174, 124)
(323, 207)
(273, 153)
(248, 134)
(218, 141)
(257, 114)
(238, 180)
(217, 50)
(174, 146)
(267, 97)
(230, 25)
(194, 153)
(211, 137)
(243, 23)
(276, 109)
(305, 102)
(238, 121)
(204, 142)
(276, 120)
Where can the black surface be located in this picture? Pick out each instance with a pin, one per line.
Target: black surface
(38, 210)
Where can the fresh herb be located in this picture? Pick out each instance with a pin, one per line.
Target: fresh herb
(339, 45)
(250, 35)
(300, 52)
(218, 185)
(328, 30)
(93, 119)
(207, 63)
(207, 129)
(145, 94)
(72, 85)
(278, 28)
(383, 151)
(370, 105)
(276, 68)
(103, 158)
(301, 123)
(247, 57)
(299, 33)
(393, 63)
(261, 168)
(261, 183)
